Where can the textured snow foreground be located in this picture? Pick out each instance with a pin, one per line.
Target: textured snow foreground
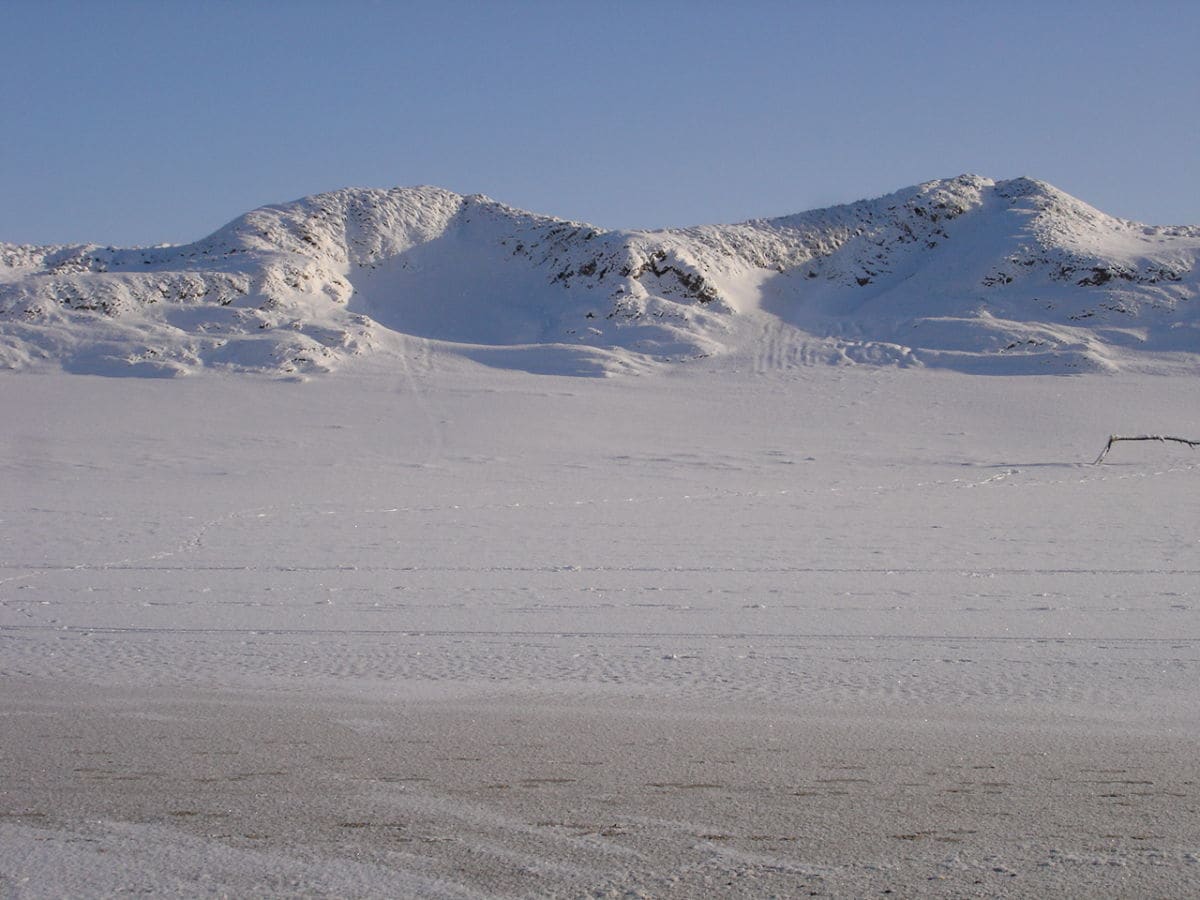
(452, 631)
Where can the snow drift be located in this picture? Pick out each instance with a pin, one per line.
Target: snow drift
(968, 273)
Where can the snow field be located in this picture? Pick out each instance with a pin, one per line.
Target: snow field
(750, 632)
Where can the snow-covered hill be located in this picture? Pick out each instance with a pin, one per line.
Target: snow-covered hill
(967, 273)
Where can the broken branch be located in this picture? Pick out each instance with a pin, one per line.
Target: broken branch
(1112, 439)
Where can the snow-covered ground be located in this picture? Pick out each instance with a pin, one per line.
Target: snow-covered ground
(430, 627)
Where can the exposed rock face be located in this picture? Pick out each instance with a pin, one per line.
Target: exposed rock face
(967, 273)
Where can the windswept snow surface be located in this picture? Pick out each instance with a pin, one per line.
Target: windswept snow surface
(967, 274)
(441, 629)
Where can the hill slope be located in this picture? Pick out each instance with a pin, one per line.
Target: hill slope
(968, 273)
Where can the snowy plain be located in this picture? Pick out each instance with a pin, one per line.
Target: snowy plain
(438, 548)
(440, 629)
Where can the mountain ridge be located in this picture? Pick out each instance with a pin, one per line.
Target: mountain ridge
(965, 273)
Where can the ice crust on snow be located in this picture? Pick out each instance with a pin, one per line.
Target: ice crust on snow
(967, 273)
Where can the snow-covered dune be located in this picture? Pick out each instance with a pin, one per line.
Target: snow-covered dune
(968, 273)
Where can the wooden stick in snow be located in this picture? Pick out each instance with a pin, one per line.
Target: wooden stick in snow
(1113, 438)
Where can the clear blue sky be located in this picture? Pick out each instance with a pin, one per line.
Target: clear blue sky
(147, 122)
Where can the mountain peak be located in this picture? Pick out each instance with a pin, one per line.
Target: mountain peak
(965, 272)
